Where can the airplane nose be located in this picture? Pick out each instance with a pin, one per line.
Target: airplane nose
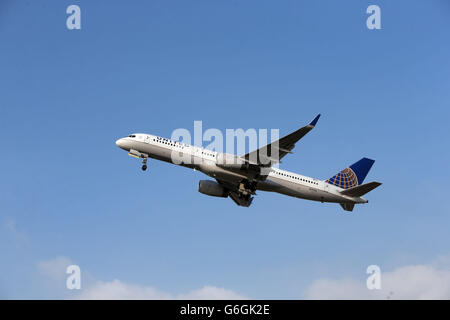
(120, 143)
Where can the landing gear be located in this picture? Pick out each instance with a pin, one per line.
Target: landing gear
(144, 164)
(245, 196)
(247, 188)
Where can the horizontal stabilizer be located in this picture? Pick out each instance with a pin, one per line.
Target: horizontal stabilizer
(360, 190)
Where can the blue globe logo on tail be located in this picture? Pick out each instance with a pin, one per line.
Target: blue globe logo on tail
(344, 179)
(353, 175)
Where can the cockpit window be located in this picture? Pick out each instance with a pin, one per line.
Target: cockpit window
(132, 136)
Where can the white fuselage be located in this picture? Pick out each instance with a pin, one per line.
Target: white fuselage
(206, 161)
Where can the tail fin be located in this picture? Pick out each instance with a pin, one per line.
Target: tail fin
(353, 175)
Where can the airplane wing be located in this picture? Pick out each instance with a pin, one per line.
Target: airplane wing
(263, 157)
(275, 151)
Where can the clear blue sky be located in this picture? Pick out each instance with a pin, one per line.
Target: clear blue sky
(154, 66)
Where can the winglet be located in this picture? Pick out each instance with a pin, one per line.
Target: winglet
(313, 123)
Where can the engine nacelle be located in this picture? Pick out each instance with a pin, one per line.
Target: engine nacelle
(212, 188)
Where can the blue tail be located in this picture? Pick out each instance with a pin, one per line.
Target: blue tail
(353, 175)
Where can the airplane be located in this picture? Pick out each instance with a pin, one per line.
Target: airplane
(241, 177)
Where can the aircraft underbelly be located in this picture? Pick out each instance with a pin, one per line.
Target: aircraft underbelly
(271, 184)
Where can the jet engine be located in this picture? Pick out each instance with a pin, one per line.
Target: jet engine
(212, 188)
